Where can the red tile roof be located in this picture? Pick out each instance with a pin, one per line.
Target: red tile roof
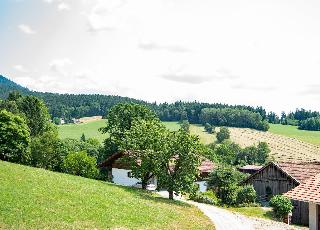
(300, 171)
(206, 166)
(309, 191)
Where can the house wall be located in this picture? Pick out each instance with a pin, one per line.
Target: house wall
(279, 183)
(120, 176)
(313, 216)
(202, 186)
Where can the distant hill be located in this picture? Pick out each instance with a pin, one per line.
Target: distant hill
(7, 85)
(70, 106)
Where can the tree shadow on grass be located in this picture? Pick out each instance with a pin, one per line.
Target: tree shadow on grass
(151, 196)
(269, 215)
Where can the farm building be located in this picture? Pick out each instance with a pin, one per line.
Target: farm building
(121, 174)
(309, 192)
(250, 169)
(279, 178)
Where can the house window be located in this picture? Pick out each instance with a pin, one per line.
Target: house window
(130, 174)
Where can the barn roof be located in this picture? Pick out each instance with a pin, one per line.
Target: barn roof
(301, 171)
(298, 171)
(251, 167)
(309, 191)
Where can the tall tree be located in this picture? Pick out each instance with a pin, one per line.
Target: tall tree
(178, 162)
(14, 138)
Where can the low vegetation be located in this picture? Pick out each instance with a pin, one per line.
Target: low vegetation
(32, 198)
(281, 205)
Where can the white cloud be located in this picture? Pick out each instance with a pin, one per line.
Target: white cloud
(26, 29)
(148, 45)
(63, 6)
(104, 16)
(20, 68)
(60, 66)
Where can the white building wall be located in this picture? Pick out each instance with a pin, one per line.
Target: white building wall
(313, 216)
(120, 176)
(202, 186)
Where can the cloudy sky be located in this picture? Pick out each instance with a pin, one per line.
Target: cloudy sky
(249, 52)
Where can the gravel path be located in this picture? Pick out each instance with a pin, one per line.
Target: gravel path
(226, 220)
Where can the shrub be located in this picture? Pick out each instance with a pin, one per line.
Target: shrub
(281, 205)
(224, 181)
(246, 195)
(223, 134)
(201, 198)
(80, 164)
(209, 128)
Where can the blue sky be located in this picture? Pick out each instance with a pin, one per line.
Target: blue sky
(250, 52)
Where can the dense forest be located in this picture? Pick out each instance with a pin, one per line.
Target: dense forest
(68, 106)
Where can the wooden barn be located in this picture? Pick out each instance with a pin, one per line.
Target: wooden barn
(279, 178)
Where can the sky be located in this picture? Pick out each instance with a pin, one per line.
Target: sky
(250, 52)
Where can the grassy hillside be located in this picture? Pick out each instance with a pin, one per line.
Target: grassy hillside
(90, 129)
(312, 137)
(32, 198)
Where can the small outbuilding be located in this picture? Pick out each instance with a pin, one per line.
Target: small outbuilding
(279, 178)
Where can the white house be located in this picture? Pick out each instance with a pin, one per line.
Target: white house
(121, 173)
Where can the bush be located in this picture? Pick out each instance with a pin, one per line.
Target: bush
(281, 205)
(80, 164)
(246, 195)
(223, 134)
(202, 198)
(224, 181)
(209, 128)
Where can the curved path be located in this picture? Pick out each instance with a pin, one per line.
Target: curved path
(226, 220)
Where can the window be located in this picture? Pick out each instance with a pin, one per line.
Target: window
(130, 174)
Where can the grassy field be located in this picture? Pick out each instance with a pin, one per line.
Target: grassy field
(312, 137)
(90, 129)
(258, 212)
(32, 198)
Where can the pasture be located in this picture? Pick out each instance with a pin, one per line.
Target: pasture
(90, 130)
(33, 198)
(312, 137)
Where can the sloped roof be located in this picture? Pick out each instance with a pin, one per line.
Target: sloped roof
(206, 166)
(298, 171)
(301, 171)
(309, 191)
(251, 167)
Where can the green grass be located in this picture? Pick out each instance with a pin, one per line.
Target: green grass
(172, 125)
(90, 130)
(312, 137)
(32, 198)
(253, 212)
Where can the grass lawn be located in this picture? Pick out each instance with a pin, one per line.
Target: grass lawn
(90, 129)
(253, 212)
(312, 137)
(32, 198)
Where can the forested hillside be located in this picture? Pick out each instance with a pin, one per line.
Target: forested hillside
(69, 106)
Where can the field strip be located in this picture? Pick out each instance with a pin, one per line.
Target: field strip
(282, 148)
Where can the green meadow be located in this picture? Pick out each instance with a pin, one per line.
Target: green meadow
(312, 137)
(33, 198)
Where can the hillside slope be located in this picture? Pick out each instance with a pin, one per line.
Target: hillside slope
(7, 85)
(283, 148)
(32, 198)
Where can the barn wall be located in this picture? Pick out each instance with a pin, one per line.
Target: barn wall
(271, 177)
(279, 183)
(300, 212)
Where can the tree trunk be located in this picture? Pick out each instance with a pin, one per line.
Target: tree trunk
(170, 195)
(144, 184)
